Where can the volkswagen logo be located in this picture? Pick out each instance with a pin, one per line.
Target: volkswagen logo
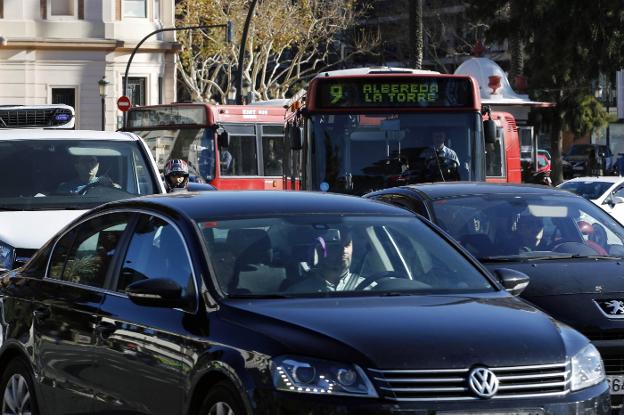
(483, 382)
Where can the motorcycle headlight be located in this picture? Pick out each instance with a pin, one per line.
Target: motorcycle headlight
(7, 256)
(320, 377)
(587, 368)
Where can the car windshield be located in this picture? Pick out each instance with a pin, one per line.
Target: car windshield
(335, 255)
(71, 174)
(587, 189)
(498, 226)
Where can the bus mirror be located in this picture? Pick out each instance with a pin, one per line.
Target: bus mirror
(224, 139)
(296, 139)
(489, 130)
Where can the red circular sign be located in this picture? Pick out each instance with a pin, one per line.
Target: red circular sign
(123, 103)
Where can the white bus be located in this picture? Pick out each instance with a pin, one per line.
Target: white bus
(56, 116)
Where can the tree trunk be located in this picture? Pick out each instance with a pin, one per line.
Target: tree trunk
(556, 146)
(516, 47)
(416, 33)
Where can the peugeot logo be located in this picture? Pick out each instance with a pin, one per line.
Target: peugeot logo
(483, 382)
(611, 307)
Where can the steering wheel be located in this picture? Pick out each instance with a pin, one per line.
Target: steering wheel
(377, 277)
(574, 248)
(101, 181)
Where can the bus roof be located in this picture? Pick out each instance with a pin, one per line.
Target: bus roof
(374, 71)
(199, 114)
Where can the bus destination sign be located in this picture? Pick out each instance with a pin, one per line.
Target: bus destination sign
(164, 115)
(395, 93)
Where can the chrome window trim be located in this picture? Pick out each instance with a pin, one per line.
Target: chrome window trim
(111, 291)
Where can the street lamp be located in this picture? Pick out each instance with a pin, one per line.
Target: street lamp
(228, 38)
(241, 53)
(102, 83)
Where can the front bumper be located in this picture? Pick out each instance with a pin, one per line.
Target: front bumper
(594, 400)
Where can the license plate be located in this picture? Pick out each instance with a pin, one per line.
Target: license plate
(510, 412)
(616, 384)
(578, 168)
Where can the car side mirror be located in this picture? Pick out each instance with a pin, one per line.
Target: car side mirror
(223, 139)
(513, 281)
(156, 292)
(489, 131)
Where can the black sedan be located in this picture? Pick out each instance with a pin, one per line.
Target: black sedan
(278, 303)
(570, 248)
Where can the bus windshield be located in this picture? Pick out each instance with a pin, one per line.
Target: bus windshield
(195, 145)
(359, 153)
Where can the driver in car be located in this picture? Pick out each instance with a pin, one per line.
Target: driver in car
(333, 255)
(86, 170)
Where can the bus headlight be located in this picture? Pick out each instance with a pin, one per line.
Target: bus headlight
(587, 368)
(320, 377)
(7, 256)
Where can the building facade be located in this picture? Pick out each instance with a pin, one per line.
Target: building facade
(56, 51)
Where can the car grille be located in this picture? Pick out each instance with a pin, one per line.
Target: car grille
(595, 335)
(452, 384)
(41, 117)
(613, 365)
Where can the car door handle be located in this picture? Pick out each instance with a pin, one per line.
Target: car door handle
(41, 313)
(104, 330)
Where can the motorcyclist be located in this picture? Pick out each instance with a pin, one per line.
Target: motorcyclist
(176, 175)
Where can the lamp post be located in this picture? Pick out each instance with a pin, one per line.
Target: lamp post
(241, 53)
(228, 38)
(102, 83)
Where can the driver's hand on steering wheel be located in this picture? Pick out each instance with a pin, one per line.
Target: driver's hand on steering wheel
(107, 181)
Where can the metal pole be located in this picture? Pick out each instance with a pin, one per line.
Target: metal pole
(103, 113)
(227, 26)
(241, 53)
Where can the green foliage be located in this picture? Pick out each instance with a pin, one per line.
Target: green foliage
(582, 114)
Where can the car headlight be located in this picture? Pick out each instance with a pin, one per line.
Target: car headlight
(7, 256)
(321, 377)
(587, 368)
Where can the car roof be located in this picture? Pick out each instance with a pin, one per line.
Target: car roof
(450, 189)
(58, 134)
(609, 179)
(237, 204)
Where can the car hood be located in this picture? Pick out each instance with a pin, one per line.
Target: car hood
(569, 276)
(407, 332)
(31, 229)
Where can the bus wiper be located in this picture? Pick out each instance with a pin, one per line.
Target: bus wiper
(4, 124)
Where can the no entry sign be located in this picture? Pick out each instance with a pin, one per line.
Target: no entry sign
(123, 103)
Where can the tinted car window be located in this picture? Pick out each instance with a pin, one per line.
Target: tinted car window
(84, 254)
(156, 250)
(529, 225)
(293, 255)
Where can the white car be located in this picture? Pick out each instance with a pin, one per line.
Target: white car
(605, 191)
(41, 188)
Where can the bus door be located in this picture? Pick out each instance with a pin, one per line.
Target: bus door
(253, 159)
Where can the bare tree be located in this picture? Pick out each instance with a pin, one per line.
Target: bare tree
(288, 42)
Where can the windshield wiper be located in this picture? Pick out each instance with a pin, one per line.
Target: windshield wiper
(259, 296)
(498, 258)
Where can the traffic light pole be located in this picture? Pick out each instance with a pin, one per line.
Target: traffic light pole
(228, 38)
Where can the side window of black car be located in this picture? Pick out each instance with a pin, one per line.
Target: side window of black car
(84, 254)
(156, 250)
